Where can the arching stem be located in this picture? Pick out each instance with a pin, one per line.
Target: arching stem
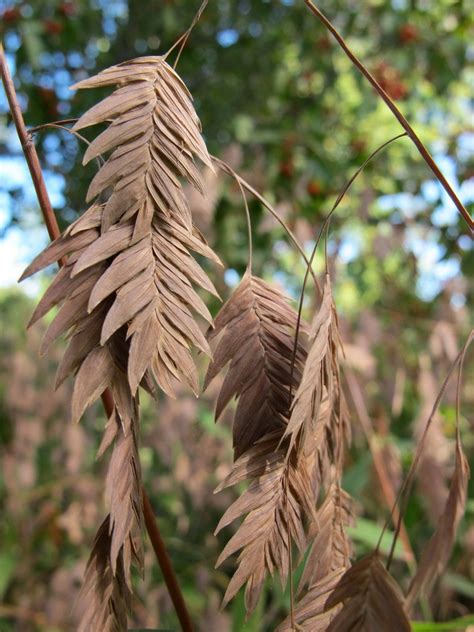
(326, 226)
(266, 204)
(395, 111)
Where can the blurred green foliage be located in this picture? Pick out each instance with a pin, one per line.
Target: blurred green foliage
(283, 105)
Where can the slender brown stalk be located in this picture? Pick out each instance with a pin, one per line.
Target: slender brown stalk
(29, 150)
(165, 565)
(184, 38)
(50, 220)
(395, 111)
(324, 227)
(243, 184)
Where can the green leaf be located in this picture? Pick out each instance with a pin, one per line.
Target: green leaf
(459, 584)
(367, 532)
(456, 625)
(240, 622)
(31, 32)
(8, 560)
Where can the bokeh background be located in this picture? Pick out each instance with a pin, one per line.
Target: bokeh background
(282, 104)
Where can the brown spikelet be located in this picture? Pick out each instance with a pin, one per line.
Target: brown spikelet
(436, 554)
(317, 430)
(318, 421)
(153, 136)
(105, 598)
(122, 489)
(372, 600)
(330, 549)
(123, 481)
(276, 503)
(328, 559)
(129, 259)
(255, 331)
(310, 614)
(126, 294)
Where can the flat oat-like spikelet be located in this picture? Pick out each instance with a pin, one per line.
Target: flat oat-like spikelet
(310, 614)
(129, 262)
(372, 600)
(106, 597)
(123, 482)
(328, 559)
(318, 423)
(255, 330)
(277, 502)
(126, 293)
(96, 366)
(153, 136)
(330, 549)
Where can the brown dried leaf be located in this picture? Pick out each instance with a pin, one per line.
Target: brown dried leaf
(436, 554)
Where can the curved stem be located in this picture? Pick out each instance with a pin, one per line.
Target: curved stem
(50, 220)
(326, 226)
(405, 489)
(395, 111)
(184, 37)
(243, 183)
(57, 125)
(249, 227)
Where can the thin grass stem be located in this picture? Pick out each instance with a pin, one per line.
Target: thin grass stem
(405, 489)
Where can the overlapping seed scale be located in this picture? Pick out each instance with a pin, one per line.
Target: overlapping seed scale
(255, 329)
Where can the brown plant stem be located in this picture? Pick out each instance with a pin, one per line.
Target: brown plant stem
(244, 185)
(395, 111)
(165, 564)
(32, 160)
